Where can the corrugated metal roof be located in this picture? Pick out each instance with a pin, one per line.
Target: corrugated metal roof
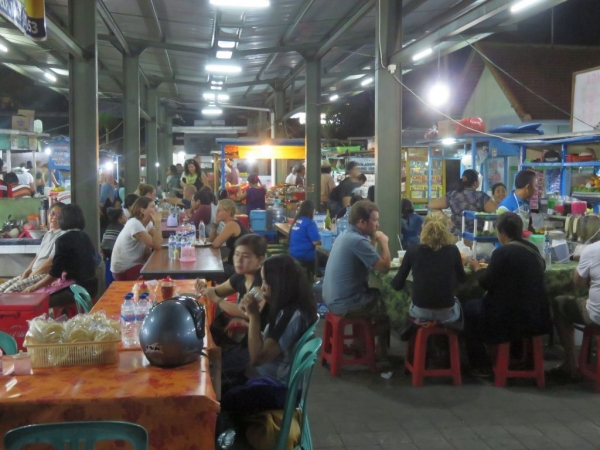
(179, 37)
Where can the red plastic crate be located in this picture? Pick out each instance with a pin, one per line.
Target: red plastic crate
(16, 308)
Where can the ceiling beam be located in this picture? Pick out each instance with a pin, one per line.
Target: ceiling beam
(110, 23)
(61, 35)
(476, 16)
(412, 6)
(295, 21)
(344, 25)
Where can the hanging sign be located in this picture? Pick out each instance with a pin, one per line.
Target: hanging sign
(367, 165)
(29, 17)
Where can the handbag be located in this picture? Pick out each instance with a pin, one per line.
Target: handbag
(262, 429)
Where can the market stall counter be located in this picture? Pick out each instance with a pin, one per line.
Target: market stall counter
(558, 280)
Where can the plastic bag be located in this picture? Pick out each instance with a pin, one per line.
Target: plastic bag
(470, 125)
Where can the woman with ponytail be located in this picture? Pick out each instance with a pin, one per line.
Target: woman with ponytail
(465, 198)
(437, 268)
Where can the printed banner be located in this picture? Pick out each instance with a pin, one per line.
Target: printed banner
(30, 17)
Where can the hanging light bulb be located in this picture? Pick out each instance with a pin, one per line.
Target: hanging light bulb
(439, 94)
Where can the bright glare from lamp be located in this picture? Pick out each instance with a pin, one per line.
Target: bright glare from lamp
(224, 54)
(301, 117)
(212, 111)
(3, 48)
(157, 164)
(216, 88)
(50, 77)
(222, 68)
(217, 83)
(439, 94)
(251, 160)
(422, 54)
(334, 97)
(240, 3)
(448, 141)
(366, 82)
(109, 167)
(226, 44)
(208, 96)
(181, 154)
(47, 150)
(523, 4)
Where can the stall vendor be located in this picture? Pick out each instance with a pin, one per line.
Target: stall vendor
(518, 200)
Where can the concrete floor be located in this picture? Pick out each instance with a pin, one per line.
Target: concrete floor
(361, 410)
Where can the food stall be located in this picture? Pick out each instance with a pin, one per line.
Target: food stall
(261, 157)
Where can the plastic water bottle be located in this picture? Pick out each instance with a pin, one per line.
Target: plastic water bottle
(172, 245)
(143, 306)
(192, 232)
(128, 313)
(201, 232)
(548, 253)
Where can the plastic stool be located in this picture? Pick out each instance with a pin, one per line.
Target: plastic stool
(334, 336)
(416, 355)
(588, 368)
(533, 351)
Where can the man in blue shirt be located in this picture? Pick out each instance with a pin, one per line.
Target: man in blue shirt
(345, 286)
(518, 200)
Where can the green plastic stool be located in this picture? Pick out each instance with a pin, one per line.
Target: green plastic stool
(76, 433)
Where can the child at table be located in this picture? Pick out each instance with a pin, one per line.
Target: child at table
(230, 325)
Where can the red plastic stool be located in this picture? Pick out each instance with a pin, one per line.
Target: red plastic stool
(334, 336)
(533, 350)
(588, 368)
(416, 355)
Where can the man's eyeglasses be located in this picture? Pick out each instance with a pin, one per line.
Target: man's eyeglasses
(52, 213)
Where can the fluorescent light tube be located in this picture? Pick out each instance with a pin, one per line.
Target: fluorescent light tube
(422, 54)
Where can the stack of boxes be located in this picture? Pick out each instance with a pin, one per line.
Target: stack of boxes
(24, 119)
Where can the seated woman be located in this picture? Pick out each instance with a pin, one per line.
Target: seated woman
(128, 203)
(291, 311)
(41, 264)
(141, 234)
(74, 254)
(249, 254)
(304, 235)
(254, 195)
(437, 268)
(412, 224)
(232, 230)
(515, 305)
(117, 220)
(201, 210)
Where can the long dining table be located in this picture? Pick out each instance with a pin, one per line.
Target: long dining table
(208, 264)
(177, 406)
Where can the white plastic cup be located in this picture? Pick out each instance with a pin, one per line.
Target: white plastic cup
(401, 254)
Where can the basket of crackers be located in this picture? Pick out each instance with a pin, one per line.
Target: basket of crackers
(86, 339)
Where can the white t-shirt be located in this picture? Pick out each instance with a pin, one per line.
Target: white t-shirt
(589, 267)
(128, 251)
(23, 176)
(291, 179)
(47, 247)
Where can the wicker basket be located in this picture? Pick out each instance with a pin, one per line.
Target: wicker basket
(73, 354)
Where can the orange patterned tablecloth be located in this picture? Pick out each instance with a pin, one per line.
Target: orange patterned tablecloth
(177, 406)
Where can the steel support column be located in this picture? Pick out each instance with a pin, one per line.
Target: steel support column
(163, 157)
(131, 123)
(263, 125)
(83, 115)
(388, 122)
(279, 113)
(168, 127)
(152, 139)
(313, 129)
